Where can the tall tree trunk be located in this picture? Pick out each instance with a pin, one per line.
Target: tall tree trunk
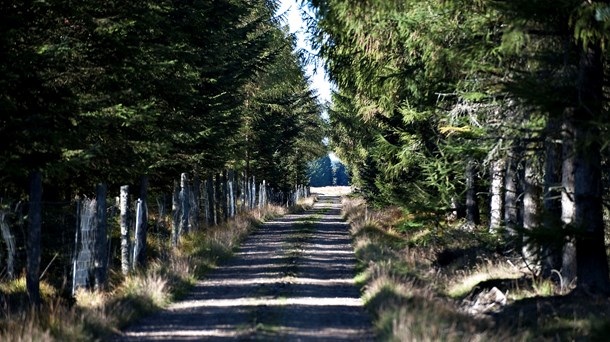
(472, 207)
(124, 223)
(511, 186)
(582, 177)
(101, 239)
(33, 238)
(532, 206)
(568, 205)
(551, 249)
(498, 170)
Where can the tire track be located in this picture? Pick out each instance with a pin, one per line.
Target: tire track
(291, 280)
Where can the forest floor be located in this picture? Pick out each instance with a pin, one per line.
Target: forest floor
(293, 279)
(427, 281)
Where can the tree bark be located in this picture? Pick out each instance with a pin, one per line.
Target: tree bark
(498, 170)
(551, 249)
(472, 207)
(581, 178)
(568, 205)
(511, 186)
(33, 238)
(531, 207)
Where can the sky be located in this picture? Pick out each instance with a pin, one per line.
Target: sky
(290, 9)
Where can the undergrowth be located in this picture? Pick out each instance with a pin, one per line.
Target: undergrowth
(421, 282)
(97, 315)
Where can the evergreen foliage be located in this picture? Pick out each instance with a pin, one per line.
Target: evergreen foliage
(431, 94)
(92, 93)
(321, 172)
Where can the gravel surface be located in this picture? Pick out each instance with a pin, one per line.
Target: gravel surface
(290, 281)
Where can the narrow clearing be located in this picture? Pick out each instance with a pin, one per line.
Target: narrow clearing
(291, 280)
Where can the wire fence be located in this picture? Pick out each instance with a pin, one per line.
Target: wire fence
(85, 237)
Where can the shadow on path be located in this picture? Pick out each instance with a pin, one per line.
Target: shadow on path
(291, 280)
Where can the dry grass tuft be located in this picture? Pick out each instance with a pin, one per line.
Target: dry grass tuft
(403, 287)
(461, 284)
(96, 315)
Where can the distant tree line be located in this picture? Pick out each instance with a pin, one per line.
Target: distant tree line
(491, 112)
(325, 172)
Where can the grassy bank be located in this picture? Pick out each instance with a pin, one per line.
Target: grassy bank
(431, 282)
(96, 315)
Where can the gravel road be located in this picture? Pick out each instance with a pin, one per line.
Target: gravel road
(292, 280)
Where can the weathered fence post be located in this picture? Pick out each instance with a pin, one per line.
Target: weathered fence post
(124, 223)
(140, 239)
(76, 243)
(84, 272)
(210, 197)
(185, 203)
(176, 214)
(101, 241)
(253, 193)
(139, 256)
(218, 198)
(225, 196)
(160, 220)
(9, 240)
(231, 194)
(33, 238)
(243, 195)
(196, 202)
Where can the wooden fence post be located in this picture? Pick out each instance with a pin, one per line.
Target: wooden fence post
(210, 196)
(185, 203)
(139, 257)
(253, 193)
(218, 198)
(124, 223)
(33, 238)
(140, 239)
(231, 194)
(175, 214)
(225, 196)
(196, 195)
(101, 239)
(9, 240)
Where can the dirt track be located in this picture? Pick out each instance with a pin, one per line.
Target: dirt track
(291, 280)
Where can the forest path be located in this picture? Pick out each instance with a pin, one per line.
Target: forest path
(291, 280)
